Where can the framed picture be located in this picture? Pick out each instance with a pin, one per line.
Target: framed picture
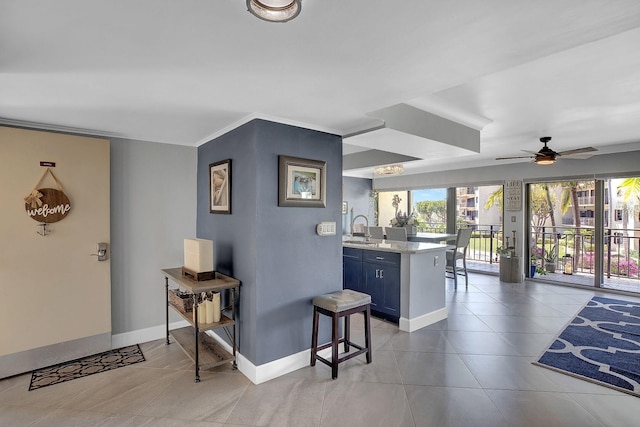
(301, 182)
(220, 187)
(345, 208)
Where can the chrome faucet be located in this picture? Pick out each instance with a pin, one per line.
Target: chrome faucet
(366, 230)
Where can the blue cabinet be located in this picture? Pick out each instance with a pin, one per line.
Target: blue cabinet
(352, 270)
(376, 273)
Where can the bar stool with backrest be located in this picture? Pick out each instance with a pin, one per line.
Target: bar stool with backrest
(376, 232)
(456, 253)
(396, 233)
(336, 305)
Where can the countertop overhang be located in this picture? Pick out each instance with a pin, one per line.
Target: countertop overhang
(390, 245)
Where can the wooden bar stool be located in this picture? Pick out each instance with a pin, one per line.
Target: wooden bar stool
(336, 305)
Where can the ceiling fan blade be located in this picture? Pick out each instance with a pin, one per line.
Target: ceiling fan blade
(577, 151)
(515, 157)
(578, 156)
(530, 152)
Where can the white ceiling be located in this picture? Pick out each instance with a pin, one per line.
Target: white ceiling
(185, 71)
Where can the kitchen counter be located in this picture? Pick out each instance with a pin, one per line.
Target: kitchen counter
(407, 284)
(390, 245)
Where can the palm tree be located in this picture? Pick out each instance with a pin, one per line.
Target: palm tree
(629, 191)
(495, 199)
(569, 199)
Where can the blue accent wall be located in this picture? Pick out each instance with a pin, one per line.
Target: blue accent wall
(274, 251)
(357, 192)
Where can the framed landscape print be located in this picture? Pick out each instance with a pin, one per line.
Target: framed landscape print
(220, 187)
(302, 182)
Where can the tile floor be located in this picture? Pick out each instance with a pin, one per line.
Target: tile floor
(472, 369)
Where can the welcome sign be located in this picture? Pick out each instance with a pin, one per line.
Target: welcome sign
(51, 205)
(47, 205)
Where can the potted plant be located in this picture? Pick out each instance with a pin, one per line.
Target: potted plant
(551, 259)
(536, 256)
(510, 268)
(541, 271)
(410, 222)
(506, 251)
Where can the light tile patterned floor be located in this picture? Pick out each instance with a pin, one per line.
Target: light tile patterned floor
(472, 369)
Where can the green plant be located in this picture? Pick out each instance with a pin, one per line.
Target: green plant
(506, 250)
(401, 220)
(551, 255)
(541, 271)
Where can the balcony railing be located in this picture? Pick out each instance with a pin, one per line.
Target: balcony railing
(620, 249)
(436, 227)
(485, 240)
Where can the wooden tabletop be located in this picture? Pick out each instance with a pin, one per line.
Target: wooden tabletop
(218, 283)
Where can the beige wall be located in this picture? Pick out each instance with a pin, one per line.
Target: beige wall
(52, 290)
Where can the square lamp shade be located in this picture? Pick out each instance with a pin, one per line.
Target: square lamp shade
(198, 255)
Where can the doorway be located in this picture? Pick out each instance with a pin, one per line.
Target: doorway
(586, 232)
(56, 303)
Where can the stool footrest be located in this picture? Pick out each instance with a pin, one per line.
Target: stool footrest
(345, 356)
(340, 341)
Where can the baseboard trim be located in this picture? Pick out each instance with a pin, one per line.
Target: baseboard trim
(144, 335)
(257, 374)
(40, 357)
(410, 325)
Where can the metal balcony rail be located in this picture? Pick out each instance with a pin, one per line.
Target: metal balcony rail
(621, 246)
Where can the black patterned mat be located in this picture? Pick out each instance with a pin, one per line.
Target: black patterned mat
(86, 366)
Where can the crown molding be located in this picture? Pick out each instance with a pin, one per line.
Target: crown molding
(58, 128)
(253, 116)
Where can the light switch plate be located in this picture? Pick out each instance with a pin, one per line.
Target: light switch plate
(326, 228)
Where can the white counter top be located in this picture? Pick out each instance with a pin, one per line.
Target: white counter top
(390, 245)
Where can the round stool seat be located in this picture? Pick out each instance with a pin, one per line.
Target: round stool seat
(341, 300)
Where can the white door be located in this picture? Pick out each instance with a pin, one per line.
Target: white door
(55, 302)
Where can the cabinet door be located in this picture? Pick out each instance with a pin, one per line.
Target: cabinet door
(352, 275)
(391, 290)
(374, 285)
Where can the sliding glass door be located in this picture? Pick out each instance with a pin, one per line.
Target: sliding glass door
(586, 232)
(622, 235)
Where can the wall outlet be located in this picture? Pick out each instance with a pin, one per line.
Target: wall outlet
(513, 218)
(435, 261)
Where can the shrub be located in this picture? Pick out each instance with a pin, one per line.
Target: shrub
(624, 268)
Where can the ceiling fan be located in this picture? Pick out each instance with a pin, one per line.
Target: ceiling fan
(546, 156)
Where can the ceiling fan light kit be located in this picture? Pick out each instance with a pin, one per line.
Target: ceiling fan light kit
(545, 160)
(274, 10)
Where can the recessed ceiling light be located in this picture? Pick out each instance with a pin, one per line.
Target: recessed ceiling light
(274, 10)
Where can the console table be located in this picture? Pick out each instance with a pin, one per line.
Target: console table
(200, 347)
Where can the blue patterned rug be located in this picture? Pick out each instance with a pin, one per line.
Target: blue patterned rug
(89, 365)
(601, 344)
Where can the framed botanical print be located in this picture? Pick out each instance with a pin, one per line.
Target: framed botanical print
(220, 187)
(302, 182)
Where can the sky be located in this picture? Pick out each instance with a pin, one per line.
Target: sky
(430, 194)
